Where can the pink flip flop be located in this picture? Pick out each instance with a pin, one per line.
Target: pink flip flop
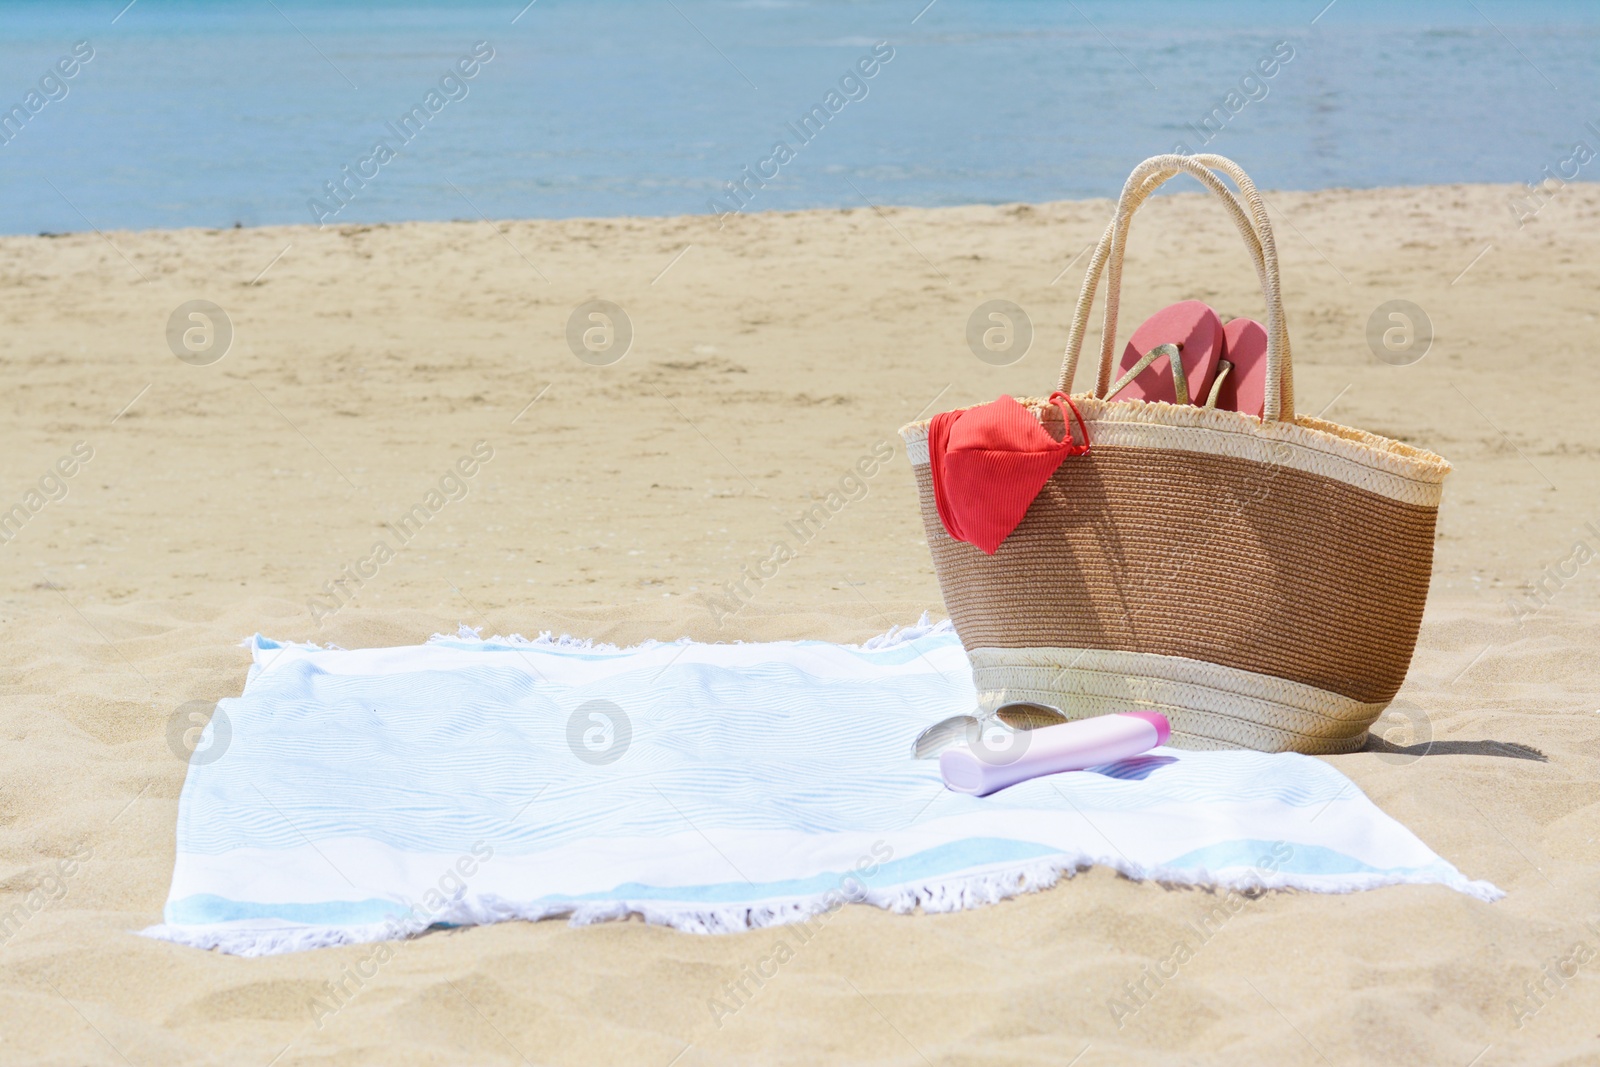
(1196, 332)
(1244, 387)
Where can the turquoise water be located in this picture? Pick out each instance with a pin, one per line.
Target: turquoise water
(207, 114)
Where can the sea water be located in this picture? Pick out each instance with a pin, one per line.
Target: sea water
(287, 111)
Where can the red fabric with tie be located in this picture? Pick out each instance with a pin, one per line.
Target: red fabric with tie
(989, 462)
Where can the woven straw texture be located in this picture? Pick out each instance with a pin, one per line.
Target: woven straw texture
(1261, 581)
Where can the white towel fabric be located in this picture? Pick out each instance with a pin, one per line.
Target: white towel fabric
(352, 796)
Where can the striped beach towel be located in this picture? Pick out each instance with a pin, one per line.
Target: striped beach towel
(369, 794)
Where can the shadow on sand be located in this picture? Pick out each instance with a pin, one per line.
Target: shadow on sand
(1508, 749)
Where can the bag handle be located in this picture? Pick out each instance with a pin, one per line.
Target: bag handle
(1256, 229)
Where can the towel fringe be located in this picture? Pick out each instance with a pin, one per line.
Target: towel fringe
(938, 897)
(895, 635)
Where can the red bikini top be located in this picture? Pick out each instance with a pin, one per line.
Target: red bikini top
(991, 461)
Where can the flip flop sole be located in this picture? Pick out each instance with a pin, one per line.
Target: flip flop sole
(1197, 332)
(1244, 344)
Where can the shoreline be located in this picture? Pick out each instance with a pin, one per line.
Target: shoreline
(1183, 189)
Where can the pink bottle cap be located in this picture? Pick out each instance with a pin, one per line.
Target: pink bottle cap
(1156, 719)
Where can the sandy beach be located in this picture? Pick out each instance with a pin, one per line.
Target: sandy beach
(206, 503)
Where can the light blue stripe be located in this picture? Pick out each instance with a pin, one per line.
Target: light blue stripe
(932, 864)
(1264, 856)
(208, 908)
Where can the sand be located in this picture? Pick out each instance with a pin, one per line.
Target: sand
(768, 356)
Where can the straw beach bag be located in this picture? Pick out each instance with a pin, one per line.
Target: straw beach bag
(1258, 580)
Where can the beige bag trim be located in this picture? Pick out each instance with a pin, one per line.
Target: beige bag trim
(1376, 464)
(1207, 702)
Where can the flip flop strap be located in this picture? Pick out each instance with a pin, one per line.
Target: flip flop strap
(1180, 381)
(1223, 368)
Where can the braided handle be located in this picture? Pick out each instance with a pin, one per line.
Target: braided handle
(1256, 229)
